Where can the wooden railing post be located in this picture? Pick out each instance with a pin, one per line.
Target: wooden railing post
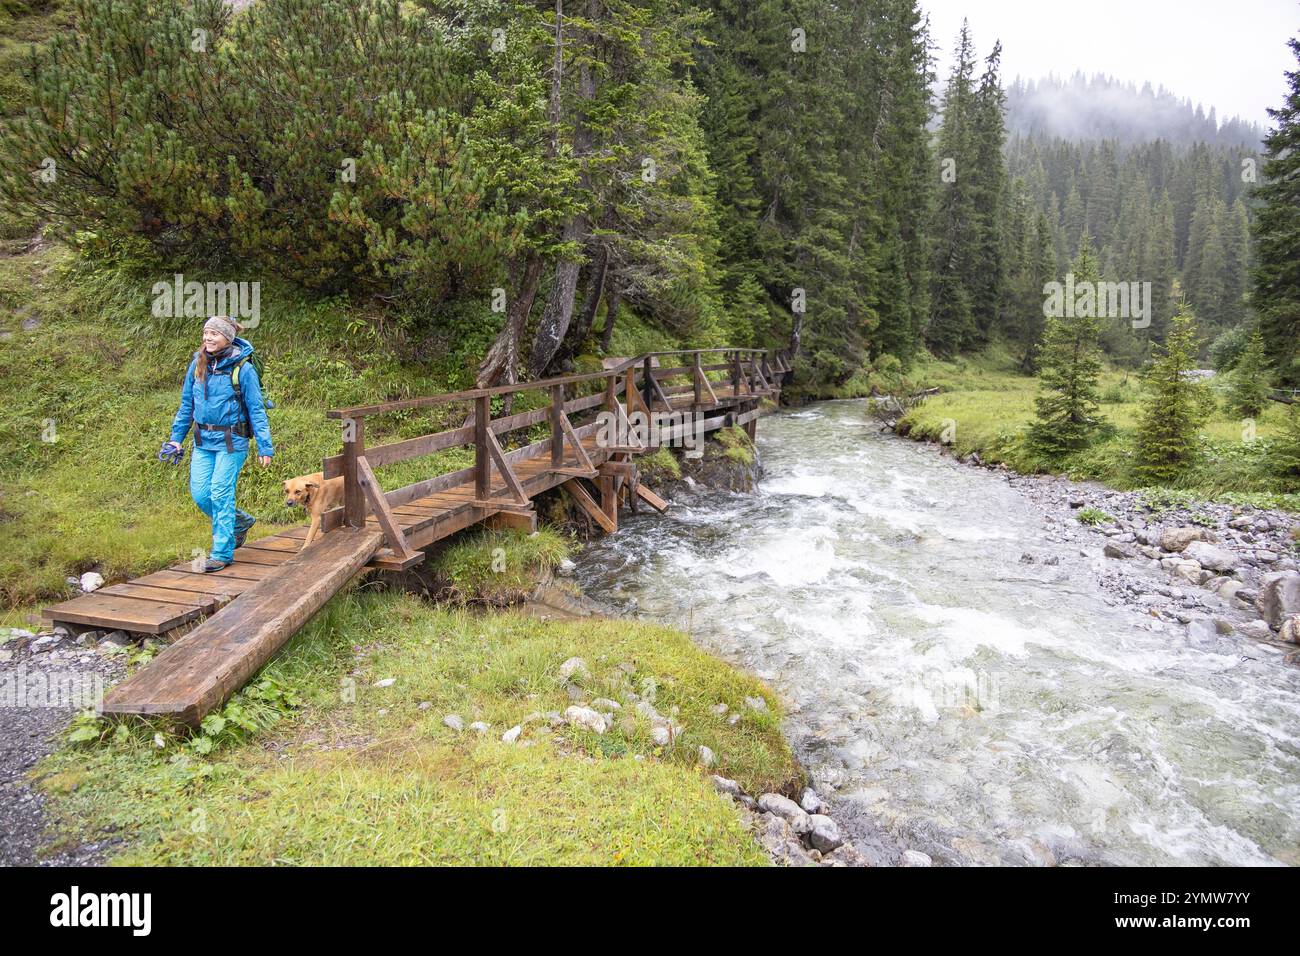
(648, 386)
(482, 462)
(735, 374)
(557, 430)
(697, 377)
(354, 496)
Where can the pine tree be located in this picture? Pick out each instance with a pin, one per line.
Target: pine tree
(988, 187)
(1249, 390)
(952, 323)
(1070, 367)
(1277, 234)
(1176, 406)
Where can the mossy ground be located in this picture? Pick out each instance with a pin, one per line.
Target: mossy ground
(986, 406)
(361, 774)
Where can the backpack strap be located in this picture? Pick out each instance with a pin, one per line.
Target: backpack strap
(239, 392)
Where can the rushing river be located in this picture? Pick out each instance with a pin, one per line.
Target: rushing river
(952, 698)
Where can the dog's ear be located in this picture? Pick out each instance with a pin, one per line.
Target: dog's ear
(311, 484)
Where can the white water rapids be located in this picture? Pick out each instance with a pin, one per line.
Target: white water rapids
(960, 702)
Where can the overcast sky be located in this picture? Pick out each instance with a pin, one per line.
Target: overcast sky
(1229, 54)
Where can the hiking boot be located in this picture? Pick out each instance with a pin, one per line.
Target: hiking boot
(241, 531)
(210, 565)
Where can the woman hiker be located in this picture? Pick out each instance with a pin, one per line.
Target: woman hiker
(222, 401)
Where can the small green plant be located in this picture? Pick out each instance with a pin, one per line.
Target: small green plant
(1094, 517)
(736, 445)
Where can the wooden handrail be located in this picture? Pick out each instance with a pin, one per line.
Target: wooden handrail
(356, 462)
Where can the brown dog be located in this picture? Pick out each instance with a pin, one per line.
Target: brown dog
(315, 494)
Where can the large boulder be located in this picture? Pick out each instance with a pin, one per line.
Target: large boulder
(1176, 539)
(1211, 556)
(1279, 597)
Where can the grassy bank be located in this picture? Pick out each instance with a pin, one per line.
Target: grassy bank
(986, 405)
(366, 772)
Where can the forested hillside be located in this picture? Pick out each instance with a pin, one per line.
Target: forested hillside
(510, 181)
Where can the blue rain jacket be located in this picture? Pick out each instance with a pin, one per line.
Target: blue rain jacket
(213, 402)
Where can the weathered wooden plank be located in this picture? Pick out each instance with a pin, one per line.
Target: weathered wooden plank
(276, 542)
(125, 613)
(393, 536)
(187, 581)
(205, 602)
(241, 569)
(262, 556)
(588, 504)
(201, 670)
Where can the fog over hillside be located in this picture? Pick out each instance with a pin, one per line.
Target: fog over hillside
(1099, 107)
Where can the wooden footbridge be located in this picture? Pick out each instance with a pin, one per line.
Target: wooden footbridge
(227, 624)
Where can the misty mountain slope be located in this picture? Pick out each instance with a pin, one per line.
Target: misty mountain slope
(1099, 107)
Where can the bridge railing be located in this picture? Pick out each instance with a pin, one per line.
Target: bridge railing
(747, 372)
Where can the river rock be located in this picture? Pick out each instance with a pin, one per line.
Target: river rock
(1229, 588)
(586, 718)
(91, 581)
(707, 757)
(511, 735)
(1176, 539)
(915, 858)
(787, 810)
(574, 666)
(455, 722)
(479, 727)
(1113, 550)
(1257, 629)
(824, 835)
(1290, 630)
(810, 802)
(1279, 597)
(779, 839)
(1212, 557)
(724, 785)
(845, 855)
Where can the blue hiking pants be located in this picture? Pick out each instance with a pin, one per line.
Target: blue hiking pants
(212, 486)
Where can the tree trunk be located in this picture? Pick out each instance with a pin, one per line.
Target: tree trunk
(579, 331)
(501, 364)
(612, 301)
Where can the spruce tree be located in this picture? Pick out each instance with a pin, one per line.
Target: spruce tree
(1249, 389)
(952, 323)
(1070, 366)
(1277, 234)
(1175, 407)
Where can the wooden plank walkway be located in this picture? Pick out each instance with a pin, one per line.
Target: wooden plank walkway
(242, 615)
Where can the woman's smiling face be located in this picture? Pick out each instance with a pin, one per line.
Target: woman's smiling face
(214, 341)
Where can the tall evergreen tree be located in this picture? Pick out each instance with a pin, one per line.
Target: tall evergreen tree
(1277, 234)
(952, 323)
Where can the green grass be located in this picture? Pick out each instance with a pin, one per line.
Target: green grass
(361, 775)
(499, 567)
(986, 406)
(660, 465)
(736, 444)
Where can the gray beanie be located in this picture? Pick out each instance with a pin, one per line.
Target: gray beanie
(221, 325)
